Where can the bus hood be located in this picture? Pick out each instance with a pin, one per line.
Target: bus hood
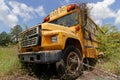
(51, 27)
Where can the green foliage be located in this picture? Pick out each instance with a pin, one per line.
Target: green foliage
(5, 39)
(110, 40)
(110, 45)
(10, 38)
(15, 33)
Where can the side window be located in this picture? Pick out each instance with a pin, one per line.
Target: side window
(88, 27)
(87, 30)
(90, 30)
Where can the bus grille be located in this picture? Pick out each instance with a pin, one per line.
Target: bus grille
(31, 32)
(30, 42)
(31, 37)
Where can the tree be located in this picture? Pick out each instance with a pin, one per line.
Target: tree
(15, 31)
(25, 26)
(5, 39)
(110, 40)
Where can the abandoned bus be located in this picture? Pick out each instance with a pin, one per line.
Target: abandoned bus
(66, 37)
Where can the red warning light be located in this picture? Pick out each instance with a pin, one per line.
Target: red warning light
(46, 19)
(71, 7)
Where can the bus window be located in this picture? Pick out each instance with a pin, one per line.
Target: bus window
(68, 20)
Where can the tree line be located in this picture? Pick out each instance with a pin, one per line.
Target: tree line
(110, 40)
(11, 38)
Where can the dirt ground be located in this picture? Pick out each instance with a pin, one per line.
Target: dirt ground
(87, 75)
(95, 75)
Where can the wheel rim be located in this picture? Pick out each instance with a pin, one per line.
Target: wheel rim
(73, 62)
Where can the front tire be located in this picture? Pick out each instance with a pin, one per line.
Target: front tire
(72, 60)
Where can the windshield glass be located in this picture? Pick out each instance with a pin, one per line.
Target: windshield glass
(68, 20)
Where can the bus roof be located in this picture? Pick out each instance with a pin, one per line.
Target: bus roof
(61, 11)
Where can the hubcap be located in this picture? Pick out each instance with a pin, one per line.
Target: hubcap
(73, 62)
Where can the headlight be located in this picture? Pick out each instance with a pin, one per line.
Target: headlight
(54, 38)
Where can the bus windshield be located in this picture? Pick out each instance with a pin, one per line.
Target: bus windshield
(68, 20)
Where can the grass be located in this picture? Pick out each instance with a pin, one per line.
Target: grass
(10, 65)
(9, 62)
(112, 63)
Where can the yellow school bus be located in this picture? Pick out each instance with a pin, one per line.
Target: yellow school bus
(66, 37)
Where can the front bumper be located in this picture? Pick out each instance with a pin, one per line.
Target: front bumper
(41, 57)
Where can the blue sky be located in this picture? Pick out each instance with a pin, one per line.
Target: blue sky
(31, 12)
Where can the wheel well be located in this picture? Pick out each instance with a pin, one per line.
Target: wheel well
(74, 42)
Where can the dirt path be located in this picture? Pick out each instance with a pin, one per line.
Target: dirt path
(87, 75)
(95, 75)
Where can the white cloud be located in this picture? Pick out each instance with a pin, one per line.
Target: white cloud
(67, 1)
(11, 20)
(26, 12)
(101, 10)
(40, 11)
(11, 11)
(117, 21)
(5, 16)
